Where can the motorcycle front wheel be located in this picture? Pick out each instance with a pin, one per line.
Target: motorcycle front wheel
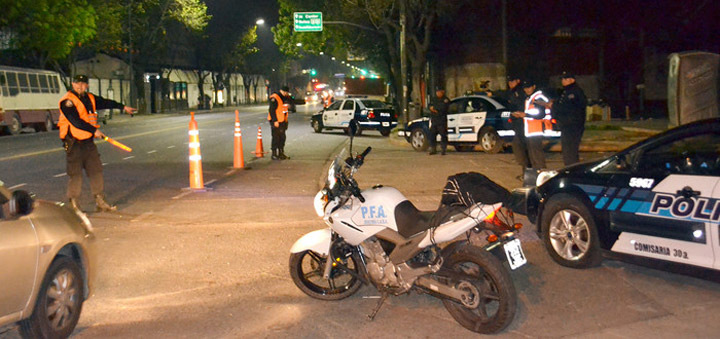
(492, 300)
(306, 271)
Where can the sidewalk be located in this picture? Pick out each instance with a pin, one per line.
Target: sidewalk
(616, 135)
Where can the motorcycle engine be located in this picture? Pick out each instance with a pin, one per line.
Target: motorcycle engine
(378, 264)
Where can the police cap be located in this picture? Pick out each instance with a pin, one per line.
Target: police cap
(528, 83)
(285, 88)
(81, 78)
(567, 75)
(512, 77)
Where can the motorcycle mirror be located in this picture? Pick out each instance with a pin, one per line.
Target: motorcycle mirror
(21, 203)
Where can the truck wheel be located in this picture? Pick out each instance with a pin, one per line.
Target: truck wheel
(385, 132)
(15, 126)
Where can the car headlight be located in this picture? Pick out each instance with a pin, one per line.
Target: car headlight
(544, 176)
(321, 199)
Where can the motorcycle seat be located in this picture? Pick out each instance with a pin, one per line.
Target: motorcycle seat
(411, 221)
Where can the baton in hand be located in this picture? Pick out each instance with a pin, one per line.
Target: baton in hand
(117, 144)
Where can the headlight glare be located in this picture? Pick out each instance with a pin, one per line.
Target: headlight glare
(544, 176)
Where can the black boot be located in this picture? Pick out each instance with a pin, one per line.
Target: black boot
(282, 155)
(102, 205)
(74, 204)
(275, 155)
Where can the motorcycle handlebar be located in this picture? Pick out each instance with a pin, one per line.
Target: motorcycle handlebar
(364, 153)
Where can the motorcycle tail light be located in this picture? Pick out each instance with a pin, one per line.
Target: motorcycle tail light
(518, 226)
(492, 238)
(493, 219)
(553, 121)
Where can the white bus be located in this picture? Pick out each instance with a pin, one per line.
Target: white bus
(29, 98)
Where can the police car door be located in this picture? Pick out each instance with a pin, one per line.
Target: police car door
(455, 110)
(666, 206)
(346, 113)
(473, 119)
(330, 116)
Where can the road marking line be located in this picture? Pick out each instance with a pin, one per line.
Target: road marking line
(181, 195)
(105, 163)
(17, 186)
(171, 146)
(151, 152)
(127, 158)
(142, 216)
(59, 175)
(210, 182)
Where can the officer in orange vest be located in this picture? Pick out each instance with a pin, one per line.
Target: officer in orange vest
(278, 118)
(78, 126)
(534, 123)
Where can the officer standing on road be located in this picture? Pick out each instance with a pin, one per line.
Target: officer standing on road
(438, 121)
(78, 126)
(533, 123)
(278, 117)
(515, 96)
(569, 111)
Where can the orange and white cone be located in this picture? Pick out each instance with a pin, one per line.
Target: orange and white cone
(239, 160)
(259, 152)
(196, 176)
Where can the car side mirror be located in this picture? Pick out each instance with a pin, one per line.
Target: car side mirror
(21, 203)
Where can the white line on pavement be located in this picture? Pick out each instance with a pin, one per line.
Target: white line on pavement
(105, 164)
(181, 195)
(17, 186)
(171, 146)
(127, 158)
(210, 182)
(60, 175)
(151, 152)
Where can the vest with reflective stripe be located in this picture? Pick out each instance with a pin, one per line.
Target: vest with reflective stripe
(88, 116)
(533, 123)
(281, 111)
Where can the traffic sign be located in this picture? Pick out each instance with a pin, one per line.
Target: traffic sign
(308, 21)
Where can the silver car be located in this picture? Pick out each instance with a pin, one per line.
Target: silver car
(46, 265)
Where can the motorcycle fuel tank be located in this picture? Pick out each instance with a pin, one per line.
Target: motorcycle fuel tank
(357, 221)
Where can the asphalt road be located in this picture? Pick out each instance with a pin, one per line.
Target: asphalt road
(181, 264)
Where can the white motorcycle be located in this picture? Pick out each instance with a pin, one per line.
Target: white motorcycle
(376, 236)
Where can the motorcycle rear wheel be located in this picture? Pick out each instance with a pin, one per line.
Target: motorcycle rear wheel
(306, 271)
(494, 300)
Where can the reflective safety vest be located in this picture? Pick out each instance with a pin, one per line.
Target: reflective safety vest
(88, 116)
(281, 111)
(533, 122)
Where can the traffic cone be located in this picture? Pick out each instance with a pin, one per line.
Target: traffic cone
(196, 176)
(239, 160)
(259, 153)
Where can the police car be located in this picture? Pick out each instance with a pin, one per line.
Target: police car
(474, 120)
(370, 114)
(658, 199)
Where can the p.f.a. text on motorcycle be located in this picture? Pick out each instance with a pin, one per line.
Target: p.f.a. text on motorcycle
(376, 236)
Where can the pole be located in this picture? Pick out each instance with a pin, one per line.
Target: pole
(130, 57)
(403, 61)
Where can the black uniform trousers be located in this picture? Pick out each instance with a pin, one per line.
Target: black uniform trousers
(83, 155)
(535, 151)
(435, 129)
(520, 150)
(570, 143)
(278, 135)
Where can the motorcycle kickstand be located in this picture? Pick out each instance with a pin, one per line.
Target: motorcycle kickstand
(372, 315)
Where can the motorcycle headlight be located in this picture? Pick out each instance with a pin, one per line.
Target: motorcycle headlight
(544, 176)
(321, 199)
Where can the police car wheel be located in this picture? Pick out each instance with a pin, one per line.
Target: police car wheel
(490, 140)
(317, 126)
(419, 140)
(569, 233)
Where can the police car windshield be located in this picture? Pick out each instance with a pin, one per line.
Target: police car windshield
(373, 104)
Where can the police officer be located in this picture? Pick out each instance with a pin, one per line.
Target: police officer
(78, 126)
(438, 121)
(569, 110)
(533, 117)
(515, 96)
(278, 118)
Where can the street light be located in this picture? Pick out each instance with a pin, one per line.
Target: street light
(260, 21)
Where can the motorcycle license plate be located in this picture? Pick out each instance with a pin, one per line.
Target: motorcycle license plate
(514, 253)
(386, 124)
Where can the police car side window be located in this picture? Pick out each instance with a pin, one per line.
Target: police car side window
(349, 104)
(694, 155)
(476, 105)
(457, 106)
(335, 105)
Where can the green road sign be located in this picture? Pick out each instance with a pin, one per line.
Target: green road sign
(308, 21)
